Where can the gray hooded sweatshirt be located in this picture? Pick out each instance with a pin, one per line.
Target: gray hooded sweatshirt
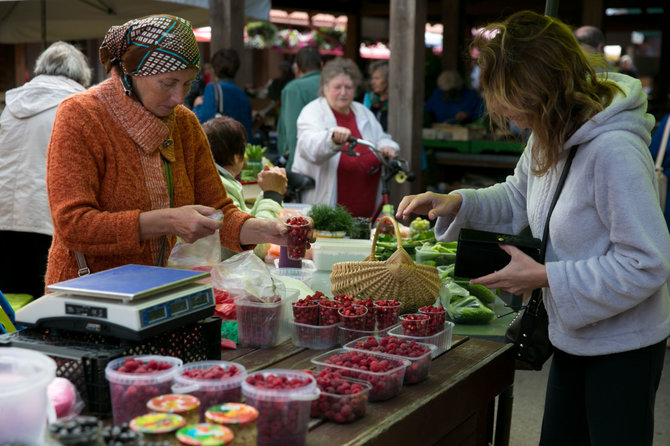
(608, 253)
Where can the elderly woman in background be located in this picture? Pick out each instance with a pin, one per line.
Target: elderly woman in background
(25, 127)
(129, 168)
(377, 100)
(324, 125)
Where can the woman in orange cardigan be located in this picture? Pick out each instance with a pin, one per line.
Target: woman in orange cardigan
(129, 168)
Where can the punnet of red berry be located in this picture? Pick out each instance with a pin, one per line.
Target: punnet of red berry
(329, 312)
(306, 311)
(298, 228)
(418, 354)
(370, 315)
(415, 325)
(282, 420)
(342, 400)
(437, 316)
(219, 386)
(353, 316)
(386, 313)
(129, 398)
(382, 371)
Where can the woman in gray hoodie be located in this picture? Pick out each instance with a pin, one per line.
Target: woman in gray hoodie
(606, 269)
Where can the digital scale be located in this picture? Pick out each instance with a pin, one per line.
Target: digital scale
(130, 302)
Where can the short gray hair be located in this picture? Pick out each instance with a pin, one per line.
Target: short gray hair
(63, 59)
(382, 66)
(338, 66)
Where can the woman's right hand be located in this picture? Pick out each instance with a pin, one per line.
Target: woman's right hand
(272, 179)
(340, 135)
(190, 223)
(431, 204)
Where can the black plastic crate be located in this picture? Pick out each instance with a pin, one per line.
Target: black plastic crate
(82, 357)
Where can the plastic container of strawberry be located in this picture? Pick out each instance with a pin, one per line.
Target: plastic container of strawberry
(212, 382)
(298, 228)
(441, 340)
(418, 354)
(131, 390)
(370, 318)
(386, 383)
(258, 321)
(386, 313)
(338, 407)
(353, 317)
(437, 316)
(283, 412)
(315, 337)
(329, 312)
(306, 312)
(415, 324)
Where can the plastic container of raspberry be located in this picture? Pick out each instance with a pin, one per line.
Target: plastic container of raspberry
(419, 366)
(211, 391)
(257, 321)
(283, 413)
(130, 392)
(315, 337)
(441, 340)
(385, 384)
(340, 408)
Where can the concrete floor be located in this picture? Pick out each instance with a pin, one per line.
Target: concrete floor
(529, 389)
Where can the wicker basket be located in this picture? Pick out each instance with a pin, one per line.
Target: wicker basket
(396, 278)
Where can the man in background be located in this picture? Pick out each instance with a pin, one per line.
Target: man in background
(592, 41)
(294, 96)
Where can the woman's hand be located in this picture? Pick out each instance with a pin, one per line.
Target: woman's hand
(258, 230)
(272, 179)
(388, 152)
(190, 222)
(429, 203)
(340, 135)
(521, 275)
(197, 101)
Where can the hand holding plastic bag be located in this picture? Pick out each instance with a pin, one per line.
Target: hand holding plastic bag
(202, 254)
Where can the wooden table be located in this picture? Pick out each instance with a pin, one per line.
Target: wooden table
(454, 405)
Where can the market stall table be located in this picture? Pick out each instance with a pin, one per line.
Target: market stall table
(454, 405)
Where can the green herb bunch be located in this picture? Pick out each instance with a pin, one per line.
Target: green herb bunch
(327, 218)
(254, 152)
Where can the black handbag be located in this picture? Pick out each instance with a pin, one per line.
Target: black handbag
(529, 331)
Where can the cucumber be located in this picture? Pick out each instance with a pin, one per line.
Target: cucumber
(479, 291)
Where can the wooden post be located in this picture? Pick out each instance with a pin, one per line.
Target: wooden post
(452, 35)
(227, 20)
(406, 84)
(351, 45)
(592, 13)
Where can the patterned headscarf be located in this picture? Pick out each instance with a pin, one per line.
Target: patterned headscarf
(150, 45)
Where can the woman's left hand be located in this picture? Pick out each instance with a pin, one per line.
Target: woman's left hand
(388, 152)
(521, 275)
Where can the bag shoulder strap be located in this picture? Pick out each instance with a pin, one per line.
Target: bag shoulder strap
(218, 97)
(664, 142)
(559, 188)
(533, 305)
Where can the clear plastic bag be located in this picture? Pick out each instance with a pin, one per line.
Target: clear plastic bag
(204, 253)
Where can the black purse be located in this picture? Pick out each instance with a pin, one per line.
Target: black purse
(480, 255)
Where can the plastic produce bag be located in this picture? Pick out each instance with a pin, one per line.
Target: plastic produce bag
(202, 254)
(469, 310)
(245, 274)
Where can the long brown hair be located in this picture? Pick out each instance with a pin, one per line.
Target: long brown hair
(533, 67)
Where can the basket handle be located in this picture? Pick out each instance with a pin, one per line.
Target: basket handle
(379, 225)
